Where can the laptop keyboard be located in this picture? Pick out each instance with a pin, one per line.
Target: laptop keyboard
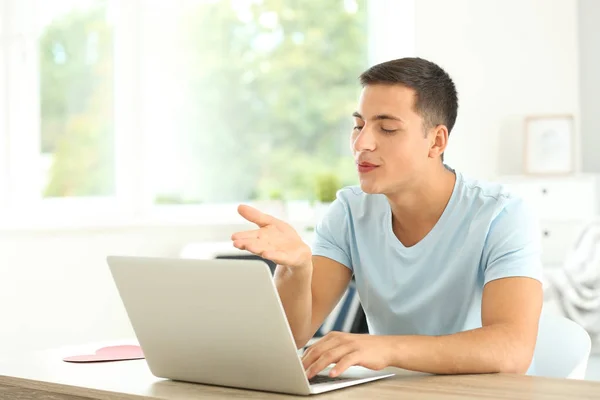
(326, 379)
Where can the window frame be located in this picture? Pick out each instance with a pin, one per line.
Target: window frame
(21, 202)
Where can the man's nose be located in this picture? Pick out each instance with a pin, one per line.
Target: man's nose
(365, 140)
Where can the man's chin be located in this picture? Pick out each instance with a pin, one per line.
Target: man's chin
(369, 188)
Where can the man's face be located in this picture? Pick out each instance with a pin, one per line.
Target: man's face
(388, 141)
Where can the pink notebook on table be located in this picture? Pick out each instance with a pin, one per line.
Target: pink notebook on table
(110, 353)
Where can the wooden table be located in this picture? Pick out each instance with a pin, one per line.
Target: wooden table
(44, 375)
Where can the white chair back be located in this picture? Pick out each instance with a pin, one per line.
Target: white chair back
(563, 348)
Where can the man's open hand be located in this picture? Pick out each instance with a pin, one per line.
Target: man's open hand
(346, 350)
(275, 240)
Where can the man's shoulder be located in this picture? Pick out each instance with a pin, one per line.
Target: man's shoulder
(486, 190)
(490, 195)
(496, 200)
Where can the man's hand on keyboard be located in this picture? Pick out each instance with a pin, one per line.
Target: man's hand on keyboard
(346, 350)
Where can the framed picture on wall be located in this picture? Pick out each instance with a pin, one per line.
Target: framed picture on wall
(549, 145)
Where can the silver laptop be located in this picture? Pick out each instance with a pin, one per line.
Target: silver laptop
(217, 322)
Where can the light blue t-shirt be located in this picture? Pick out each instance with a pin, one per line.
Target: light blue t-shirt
(434, 287)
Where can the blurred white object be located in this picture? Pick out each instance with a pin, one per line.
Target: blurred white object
(563, 348)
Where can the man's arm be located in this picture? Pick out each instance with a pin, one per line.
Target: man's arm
(308, 295)
(309, 286)
(505, 343)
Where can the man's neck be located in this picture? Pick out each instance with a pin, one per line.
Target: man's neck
(415, 212)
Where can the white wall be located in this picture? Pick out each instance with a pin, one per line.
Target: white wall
(509, 58)
(589, 86)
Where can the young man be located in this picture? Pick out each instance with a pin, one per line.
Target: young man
(447, 268)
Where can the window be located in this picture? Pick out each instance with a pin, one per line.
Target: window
(115, 106)
(250, 99)
(76, 98)
(56, 109)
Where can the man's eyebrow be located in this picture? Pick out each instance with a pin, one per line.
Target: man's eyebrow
(379, 117)
(387, 116)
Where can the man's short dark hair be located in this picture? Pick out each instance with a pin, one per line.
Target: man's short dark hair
(436, 100)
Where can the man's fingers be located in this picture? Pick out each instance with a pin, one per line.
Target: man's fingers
(345, 362)
(253, 234)
(316, 350)
(330, 356)
(256, 216)
(255, 246)
(261, 247)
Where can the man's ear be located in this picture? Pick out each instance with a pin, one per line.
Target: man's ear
(438, 140)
